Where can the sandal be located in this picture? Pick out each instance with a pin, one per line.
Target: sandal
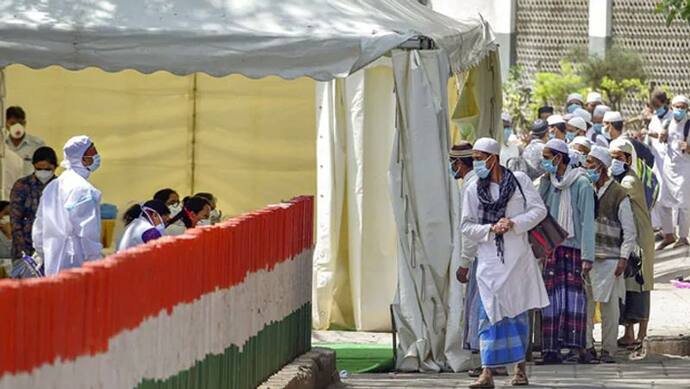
(606, 357)
(519, 379)
(476, 372)
(550, 358)
(484, 382)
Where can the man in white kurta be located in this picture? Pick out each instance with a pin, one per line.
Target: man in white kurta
(459, 358)
(615, 241)
(499, 209)
(676, 176)
(67, 230)
(662, 115)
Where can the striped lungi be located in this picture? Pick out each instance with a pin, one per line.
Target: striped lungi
(564, 321)
(505, 342)
(472, 302)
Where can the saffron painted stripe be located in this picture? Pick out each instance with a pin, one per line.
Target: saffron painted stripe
(78, 312)
(163, 346)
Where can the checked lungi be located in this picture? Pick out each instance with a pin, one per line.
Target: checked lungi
(505, 342)
(472, 302)
(564, 321)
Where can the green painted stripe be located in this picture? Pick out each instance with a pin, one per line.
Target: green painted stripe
(264, 354)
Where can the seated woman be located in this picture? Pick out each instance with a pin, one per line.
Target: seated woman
(148, 226)
(194, 210)
(171, 200)
(215, 215)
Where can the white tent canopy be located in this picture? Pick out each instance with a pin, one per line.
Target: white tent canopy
(321, 39)
(324, 40)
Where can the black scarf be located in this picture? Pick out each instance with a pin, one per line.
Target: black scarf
(493, 211)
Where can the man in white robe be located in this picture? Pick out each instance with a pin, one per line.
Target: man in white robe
(499, 209)
(662, 116)
(676, 175)
(67, 230)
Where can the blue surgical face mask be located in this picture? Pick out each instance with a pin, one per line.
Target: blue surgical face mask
(551, 135)
(95, 164)
(593, 174)
(661, 111)
(582, 158)
(453, 173)
(507, 132)
(480, 169)
(573, 107)
(548, 166)
(680, 113)
(569, 136)
(617, 167)
(597, 128)
(606, 133)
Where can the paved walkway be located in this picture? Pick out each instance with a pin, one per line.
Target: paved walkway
(670, 316)
(660, 373)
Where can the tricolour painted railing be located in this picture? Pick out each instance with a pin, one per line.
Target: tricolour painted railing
(219, 307)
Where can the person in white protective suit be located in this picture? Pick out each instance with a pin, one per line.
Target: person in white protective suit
(67, 230)
(148, 226)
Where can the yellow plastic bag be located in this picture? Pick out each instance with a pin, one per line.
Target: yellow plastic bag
(597, 314)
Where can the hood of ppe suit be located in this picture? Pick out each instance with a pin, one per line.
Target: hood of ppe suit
(73, 152)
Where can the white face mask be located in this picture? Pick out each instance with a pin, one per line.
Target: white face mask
(203, 223)
(17, 131)
(215, 215)
(5, 219)
(175, 209)
(44, 175)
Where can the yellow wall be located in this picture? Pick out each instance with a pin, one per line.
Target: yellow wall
(255, 139)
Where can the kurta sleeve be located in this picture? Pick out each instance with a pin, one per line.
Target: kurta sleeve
(586, 205)
(471, 227)
(86, 218)
(625, 215)
(17, 196)
(535, 210)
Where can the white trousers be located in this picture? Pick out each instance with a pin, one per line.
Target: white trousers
(610, 314)
(668, 221)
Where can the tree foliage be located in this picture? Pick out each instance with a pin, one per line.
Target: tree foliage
(674, 9)
(619, 75)
(553, 88)
(516, 99)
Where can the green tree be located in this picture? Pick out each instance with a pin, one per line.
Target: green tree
(619, 75)
(516, 99)
(674, 9)
(553, 88)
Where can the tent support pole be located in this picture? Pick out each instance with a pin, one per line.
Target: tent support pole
(192, 175)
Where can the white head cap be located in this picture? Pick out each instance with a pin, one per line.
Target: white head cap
(583, 141)
(578, 123)
(680, 99)
(613, 116)
(555, 119)
(601, 154)
(558, 145)
(601, 110)
(505, 116)
(593, 97)
(575, 97)
(621, 144)
(487, 145)
(584, 114)
(74, 151)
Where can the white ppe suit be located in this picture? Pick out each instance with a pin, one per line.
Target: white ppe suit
(67, 230)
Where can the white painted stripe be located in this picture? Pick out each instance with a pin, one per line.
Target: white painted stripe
(165, 345)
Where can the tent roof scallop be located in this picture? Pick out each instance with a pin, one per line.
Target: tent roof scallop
(321, 39)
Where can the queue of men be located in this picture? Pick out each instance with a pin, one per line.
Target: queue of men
(607, 192)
